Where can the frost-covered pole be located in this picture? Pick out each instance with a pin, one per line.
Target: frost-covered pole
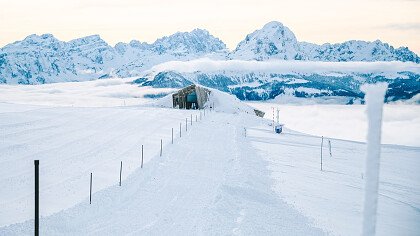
(374, 99)
(186, 124)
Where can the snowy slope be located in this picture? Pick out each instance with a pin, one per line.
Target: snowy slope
(194, 188)
(212, 180)
(333, 198)
(197, 188)
(70, 143)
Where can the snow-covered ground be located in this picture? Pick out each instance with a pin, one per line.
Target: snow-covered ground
(70, 144)
(211, 181)
(401, 123)
(333, 198)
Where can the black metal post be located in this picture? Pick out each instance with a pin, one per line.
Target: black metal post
(36, 162)
(141, 156)
(120, 172)
(90, 192)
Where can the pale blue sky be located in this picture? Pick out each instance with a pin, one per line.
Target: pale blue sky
(394, 21)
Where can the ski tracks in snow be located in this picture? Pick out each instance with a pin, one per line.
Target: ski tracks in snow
(209, 182)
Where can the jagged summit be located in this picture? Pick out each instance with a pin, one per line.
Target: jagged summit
(196, 41)
(273, 40)
(87, 40)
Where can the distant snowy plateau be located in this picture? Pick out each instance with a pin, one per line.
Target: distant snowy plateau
(269, 63)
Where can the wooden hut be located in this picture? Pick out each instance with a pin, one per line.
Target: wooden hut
(191, 97)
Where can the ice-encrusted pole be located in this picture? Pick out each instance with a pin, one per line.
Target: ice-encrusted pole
(374, 98)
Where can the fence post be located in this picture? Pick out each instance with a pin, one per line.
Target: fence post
(329, 147)
(120, 172)
(186, 124)
(322, 143)
(142, 156)
(36, 162)
(172, 135)
(191, 119)
(90, 191)
(245, 131)
(196, 118)
(161, 147)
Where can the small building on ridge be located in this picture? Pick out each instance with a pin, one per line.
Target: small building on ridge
(191, 97)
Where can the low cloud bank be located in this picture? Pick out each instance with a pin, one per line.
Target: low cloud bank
(280, 66)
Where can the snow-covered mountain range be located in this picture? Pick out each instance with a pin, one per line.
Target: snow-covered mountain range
(45, 59)
(275, 40)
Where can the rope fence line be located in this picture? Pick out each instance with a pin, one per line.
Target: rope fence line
(36, 217)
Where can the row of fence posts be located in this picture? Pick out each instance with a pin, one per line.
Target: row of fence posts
(322, 145)
(36, 163)
(370, 202)
(161, 149)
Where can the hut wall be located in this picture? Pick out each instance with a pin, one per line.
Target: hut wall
(179, 99)
(202, 96)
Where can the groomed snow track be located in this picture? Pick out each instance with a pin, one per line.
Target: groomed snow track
(209, 182)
